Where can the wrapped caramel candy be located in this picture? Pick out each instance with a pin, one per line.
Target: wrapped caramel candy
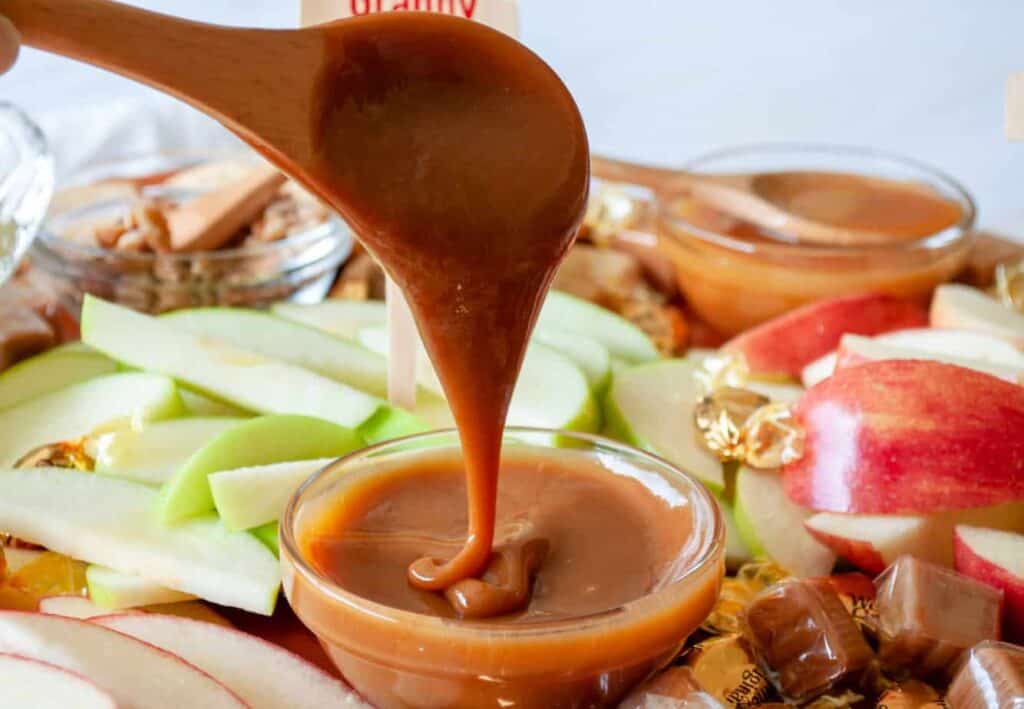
(928, 615)
(675, 688)
(726, 669)
(804, 636)
(857, 592)
(992, 677)
(910, 695)
(737, 592)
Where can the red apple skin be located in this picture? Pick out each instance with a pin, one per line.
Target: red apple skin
(971, 564)
(859, 553)
(788, 343)
(908, 437)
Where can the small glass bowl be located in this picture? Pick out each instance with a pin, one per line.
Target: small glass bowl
(299, 268)
(399, 659)
(734, 284)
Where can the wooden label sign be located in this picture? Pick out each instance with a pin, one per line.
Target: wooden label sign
(500, 14)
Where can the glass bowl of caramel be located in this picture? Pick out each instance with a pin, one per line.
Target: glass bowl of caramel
(631, 562)
(108, 234)
(735, 275)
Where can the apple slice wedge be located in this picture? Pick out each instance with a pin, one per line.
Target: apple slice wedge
(75, 411)
(151, 455)
(114, 591)
(71, 607)
(342, 360)
(267, 534)
(203, 406)
(773, 527)
(967, 344)
(790, 342)
(248, 379)
(41, 685)
(651, 407)
(253, 496)
(855, 350)
(819, 370)
(50, 371)
(995, 558)
(339, 317)
(966, 308)
(873, 542)
(111, 522)
(286, 680)
(588, 354)
(908, 437)
(135, 673)
(623, 340)
(259, 441)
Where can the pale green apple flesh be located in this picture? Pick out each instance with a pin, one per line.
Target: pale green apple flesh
(81, 409)
(551, 391)
(259, 441)
(267, 534)
(586, 353)
(197, 404)
(736, 551)
(112, 590)
(773, 527)
(623, 339)
(59, 368)
(247, 379)
(253, 496)
(340, 359)
(110, 522)
(343, 318)
(153, 453)
(651, 406)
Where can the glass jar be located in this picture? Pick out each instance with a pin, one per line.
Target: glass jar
(735, 283)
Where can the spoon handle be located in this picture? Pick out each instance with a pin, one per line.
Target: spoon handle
(225, 72)
(659, 179)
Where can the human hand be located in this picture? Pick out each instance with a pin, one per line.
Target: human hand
(10, 41)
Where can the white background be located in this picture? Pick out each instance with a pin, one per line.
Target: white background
(664, 80)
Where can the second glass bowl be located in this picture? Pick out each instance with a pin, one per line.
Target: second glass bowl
(735, 283)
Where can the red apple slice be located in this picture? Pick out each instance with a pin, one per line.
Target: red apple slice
(71, 607)
(135, 673)
(908, 437)
(41, 685)
(873, 542)
(287, 680)
(968, 308)
(787, 344)
(995, 558)
(855, 350)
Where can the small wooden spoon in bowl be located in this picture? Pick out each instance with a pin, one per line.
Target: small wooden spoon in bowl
(814, 207)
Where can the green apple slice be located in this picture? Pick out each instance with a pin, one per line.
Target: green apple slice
(197, 404)
(334, 357)
(59, 368)
(773, 527)
(551, 391)
(651, 407)
(342, 318)
(247, 379)
(110, 522)
(113, 591)
(253, 496)
(78, 410)
(736, 551)
(586, 353)
(267, 534)
(623, 339)
(152, 455)
(260, 441)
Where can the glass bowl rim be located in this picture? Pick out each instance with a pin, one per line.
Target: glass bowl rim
(959, 232)
(709, 520)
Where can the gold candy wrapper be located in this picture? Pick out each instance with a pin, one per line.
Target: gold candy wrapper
(67, 454)
(738, 591)
(725, 668)
(1009, 285)
(857, 592)
(675, 688)
(911, 695)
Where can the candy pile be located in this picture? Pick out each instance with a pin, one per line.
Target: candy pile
(917, 633)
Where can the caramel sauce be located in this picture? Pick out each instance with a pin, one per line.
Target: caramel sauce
(555, 535)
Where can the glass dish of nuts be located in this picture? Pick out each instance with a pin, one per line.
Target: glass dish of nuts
(165, 232)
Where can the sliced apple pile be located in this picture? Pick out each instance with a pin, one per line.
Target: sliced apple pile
(995, 558)
(51, 371)
(787, 344)
(966, 308)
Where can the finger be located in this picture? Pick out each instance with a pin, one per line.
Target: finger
(10, 40)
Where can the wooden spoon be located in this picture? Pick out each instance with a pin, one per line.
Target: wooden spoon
(815, 207)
